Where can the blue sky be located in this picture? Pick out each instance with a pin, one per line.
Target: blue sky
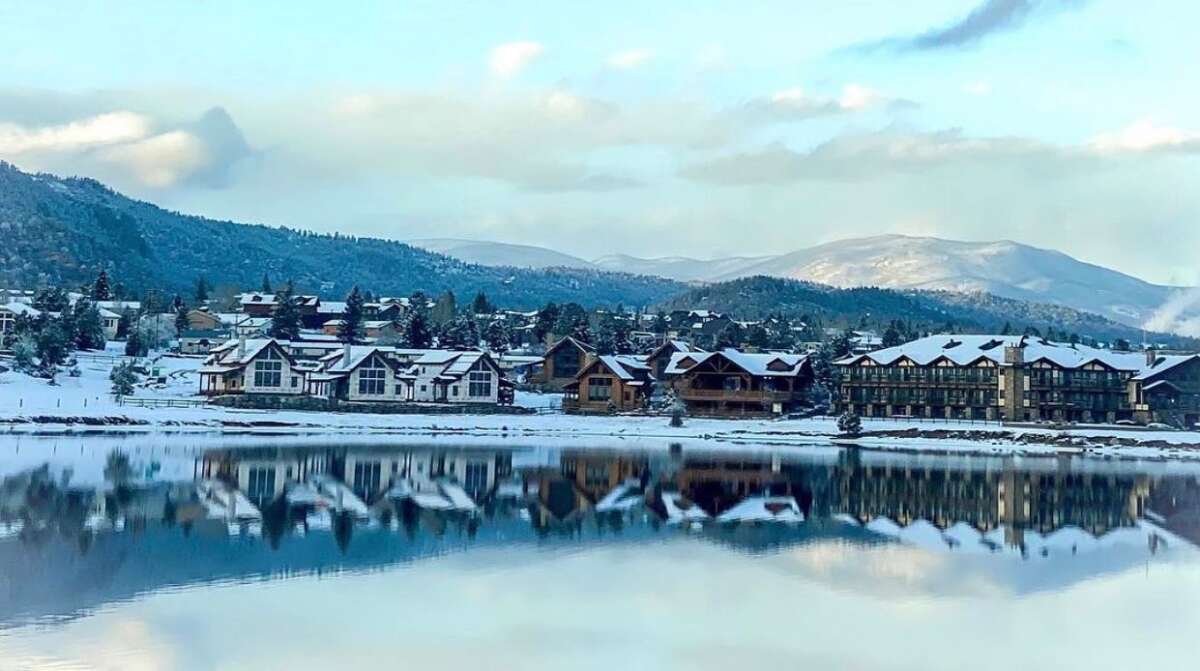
(646, 128)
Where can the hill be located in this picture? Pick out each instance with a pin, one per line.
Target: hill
(501, 254)
(65, 230)
(977, 312)
(1004, 268)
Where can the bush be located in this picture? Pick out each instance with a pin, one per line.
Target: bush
(123, 378)
(849, 424)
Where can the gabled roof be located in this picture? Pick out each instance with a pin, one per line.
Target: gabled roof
(231, 356)
(673, 346)
(336, 362)
(626, 367)
(571, 341)
(20, 308)
(757, 364)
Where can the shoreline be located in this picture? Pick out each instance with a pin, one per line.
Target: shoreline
(961, 438)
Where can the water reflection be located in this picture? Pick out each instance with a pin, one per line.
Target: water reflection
(67, 547)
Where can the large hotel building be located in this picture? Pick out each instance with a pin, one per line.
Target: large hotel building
(1020, 378)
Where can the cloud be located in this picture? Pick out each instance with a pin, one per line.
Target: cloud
(123, 145)
(630, 59)
(1146, 135)
(863, 156)
(1180, 314)
(96, 131)
(507, 60)
(978, 88)
(990, 17)
(794, 104)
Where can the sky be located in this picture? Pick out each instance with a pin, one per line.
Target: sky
(654, 129)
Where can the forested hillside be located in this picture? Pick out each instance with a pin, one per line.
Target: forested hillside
(757, 297)
(64, 231)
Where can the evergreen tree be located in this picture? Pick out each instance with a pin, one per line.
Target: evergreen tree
(757, 336)
(88, 328)
(780, 332)
(101, 290)
(1007, 330)
(729, 337)
(891, 336)
(351, 328)
(133, 343)
(51, 299)
(123, 379)
(202, 290)
(461, 333)
(573, 321)
(285, 322)
(839, 347)
(498, 337)
(444, 308)
(545, 322)
(417, 333)
(53, 345)
(266, 284)
(660, 324)
(481, 305)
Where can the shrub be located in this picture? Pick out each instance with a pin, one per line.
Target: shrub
(849, 424)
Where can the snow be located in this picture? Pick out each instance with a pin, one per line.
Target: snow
(623, 497)
(764, 509)
(754, 364)
(679, 510)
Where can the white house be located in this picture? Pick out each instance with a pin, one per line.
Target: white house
(458, 377)
(260, 366)
(9, 313)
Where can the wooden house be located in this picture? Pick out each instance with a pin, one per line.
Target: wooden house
(563, 361)
(733, 383)
(610, 383)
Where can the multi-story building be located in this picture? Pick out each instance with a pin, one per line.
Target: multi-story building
(1013, 378)
(733, 383)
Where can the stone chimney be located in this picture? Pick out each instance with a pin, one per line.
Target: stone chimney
(1014, 356)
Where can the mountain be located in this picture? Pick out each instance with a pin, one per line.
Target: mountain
(65, 230)
(502, 254)
(1007, 269)
(924, 310)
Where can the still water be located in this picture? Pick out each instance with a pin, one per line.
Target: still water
(273, 554)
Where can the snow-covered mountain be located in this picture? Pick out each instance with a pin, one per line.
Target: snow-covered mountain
(501, 253)
(1004, 268)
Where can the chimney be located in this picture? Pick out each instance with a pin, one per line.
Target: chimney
(346, 354)
(241, 347)
(1014, 355)
(1151, 356)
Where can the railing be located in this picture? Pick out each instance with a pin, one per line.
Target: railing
(160, 402)
(736, 394)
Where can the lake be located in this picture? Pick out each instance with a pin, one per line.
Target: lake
(155, 552)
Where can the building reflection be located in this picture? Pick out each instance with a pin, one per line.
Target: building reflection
(277, 493)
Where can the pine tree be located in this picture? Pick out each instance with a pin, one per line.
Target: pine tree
(729, 337)
(839, 347)
(498, 337)
(891, 336)
(101, 290)
(444, 308)
(51, 299)
(351, 328)
(757, 336)
(417, 333)
(660, 324)
(481, 305)
(88, 328)
(133, 343)
(285, 322)
(202, 290)
(266, 284)
(546, 319)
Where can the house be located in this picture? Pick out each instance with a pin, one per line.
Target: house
(203, 320)
(563, 361)
(259, 366)
(360, 373)
(661, 356)
(257, 304)
(733, 383)
(610, 383)
(374, 328)
(110, 323)
(443, 376)
(201, 341)
(9, 313)
(1167, 390)
(1011, 378)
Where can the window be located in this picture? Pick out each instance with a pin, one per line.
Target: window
(454, 390)
(367, 478)
(260, 485)
(371, 380)
(268, 370)
(480, 384)
(475, 477)
(599, 389)
(295, 381)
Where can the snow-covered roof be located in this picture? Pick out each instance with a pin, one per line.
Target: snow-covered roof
(966, 349)
(256, 298)
(758, 364)
(1164, 363)
(338, 363)
(20, 309)
(231, 354)
(626, 367)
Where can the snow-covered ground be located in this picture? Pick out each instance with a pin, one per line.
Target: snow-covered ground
(86, 397)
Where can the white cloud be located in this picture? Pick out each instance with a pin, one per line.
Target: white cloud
(507, 60)
(856, 97)
(1145, 135)
(162, 160)
(796, 104)
(96, 131)
(978, 88)
(630, 59)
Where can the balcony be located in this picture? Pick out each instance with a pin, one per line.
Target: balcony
(736, 395)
